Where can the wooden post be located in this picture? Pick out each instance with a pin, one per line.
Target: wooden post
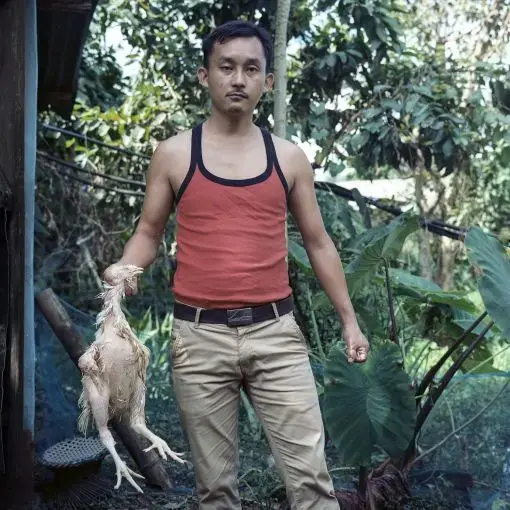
(150, 464)
(17, 441)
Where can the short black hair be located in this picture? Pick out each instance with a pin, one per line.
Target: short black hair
(234, 29)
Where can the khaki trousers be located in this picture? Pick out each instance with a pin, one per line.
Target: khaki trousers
(210, 364)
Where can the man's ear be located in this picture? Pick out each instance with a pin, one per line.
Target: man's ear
(202, 76)
(268, 85)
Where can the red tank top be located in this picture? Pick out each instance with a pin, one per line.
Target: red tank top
(231, 235)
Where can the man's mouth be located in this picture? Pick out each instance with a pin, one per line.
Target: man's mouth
(237, 95)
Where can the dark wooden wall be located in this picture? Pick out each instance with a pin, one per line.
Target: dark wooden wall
(16, 477)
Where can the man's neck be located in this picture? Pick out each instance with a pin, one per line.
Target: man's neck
(228, 126)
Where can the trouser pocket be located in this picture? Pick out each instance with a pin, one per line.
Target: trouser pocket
(178, 348)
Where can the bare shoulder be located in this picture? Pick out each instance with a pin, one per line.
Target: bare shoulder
(176, 147)
(172, 157)
(293, 160)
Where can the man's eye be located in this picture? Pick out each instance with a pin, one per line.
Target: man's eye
(225, 68)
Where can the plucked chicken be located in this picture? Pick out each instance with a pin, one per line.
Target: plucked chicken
(114, 371)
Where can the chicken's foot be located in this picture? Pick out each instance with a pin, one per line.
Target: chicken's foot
(137, 422)
(160, 444)
(99, 399)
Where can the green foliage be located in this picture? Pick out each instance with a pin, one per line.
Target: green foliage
(488, 255)
(101, 79)
(478, 448)
(368, 406)
(155, 334)
(406, 284)
(299, 255)
(464, 320)
(407, 126)
(376, 245)
(374, 87)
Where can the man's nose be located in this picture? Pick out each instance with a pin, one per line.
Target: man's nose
(239, 78)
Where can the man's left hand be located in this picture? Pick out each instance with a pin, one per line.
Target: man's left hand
(356, 345)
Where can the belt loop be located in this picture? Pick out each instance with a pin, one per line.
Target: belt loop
(197, 317)
(275, 310)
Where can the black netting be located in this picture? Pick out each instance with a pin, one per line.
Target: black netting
(58, 383)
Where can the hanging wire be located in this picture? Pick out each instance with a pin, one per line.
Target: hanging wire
(76, 168)
(434, 226)
(95, 141)
(63, 172)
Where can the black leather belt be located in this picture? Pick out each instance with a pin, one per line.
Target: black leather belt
(236, 316)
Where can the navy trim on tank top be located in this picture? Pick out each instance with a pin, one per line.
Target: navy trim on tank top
(234, 182)
(197, 161)
(195, 147)
(274, 157)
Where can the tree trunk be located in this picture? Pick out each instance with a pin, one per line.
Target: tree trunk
(425, 252)
(280, 68)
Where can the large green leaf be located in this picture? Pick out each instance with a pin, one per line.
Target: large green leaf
(421, 289)
(368, 405)
(382, 242)
(408, 280)
(488, 255)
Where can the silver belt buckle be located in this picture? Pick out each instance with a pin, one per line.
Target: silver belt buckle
(240, 317)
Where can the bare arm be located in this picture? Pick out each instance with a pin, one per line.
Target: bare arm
(142, 247)
(322, 252)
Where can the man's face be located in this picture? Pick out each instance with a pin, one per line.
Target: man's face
(236, 77)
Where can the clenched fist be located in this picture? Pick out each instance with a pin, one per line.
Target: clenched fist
(113, 276)
(356, 345)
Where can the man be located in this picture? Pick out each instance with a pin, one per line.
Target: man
(232, 183)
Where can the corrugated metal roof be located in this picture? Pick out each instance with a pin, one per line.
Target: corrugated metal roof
(62, 30)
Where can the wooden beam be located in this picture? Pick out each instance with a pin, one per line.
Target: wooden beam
(66, 5)
(17, 442)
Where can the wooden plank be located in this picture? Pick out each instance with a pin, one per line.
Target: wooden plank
(3, 357)
(17, 443)
(4, 318)
(62, 32)
(5, 198)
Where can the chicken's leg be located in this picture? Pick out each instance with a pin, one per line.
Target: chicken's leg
(99, 400)
(137, 421)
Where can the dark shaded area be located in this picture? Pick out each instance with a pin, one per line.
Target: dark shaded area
(63, 26)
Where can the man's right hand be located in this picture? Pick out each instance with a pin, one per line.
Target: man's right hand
(110, 276)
